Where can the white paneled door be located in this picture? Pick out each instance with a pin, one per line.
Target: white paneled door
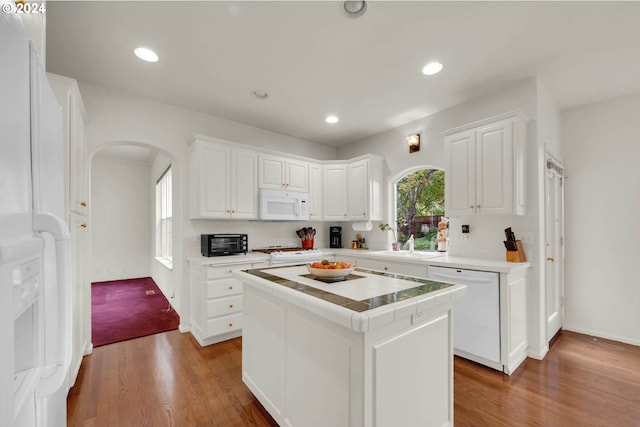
(554, 250)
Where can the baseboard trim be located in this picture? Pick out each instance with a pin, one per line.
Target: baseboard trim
(600, 334)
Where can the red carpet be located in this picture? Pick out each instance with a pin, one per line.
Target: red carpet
(126, 309)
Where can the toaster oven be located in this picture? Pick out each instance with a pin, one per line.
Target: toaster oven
(223, 244)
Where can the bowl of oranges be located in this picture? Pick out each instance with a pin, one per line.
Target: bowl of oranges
(325, 268)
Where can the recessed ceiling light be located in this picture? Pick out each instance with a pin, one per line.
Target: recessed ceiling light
(432, 68)
(146, 54)
(260, 94)
(332, 119)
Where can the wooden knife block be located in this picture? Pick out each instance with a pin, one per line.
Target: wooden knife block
(517, 256)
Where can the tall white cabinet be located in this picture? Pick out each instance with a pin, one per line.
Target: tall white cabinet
(223, 181)
(77, 210)
(486, 167)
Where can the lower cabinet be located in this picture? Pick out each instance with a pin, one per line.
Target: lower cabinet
(417, 270)
(216, 301)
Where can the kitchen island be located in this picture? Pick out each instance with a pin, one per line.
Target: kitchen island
(374, 349)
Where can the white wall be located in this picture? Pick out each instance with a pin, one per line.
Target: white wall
(116, 117)
(601, 147)
(120, 212)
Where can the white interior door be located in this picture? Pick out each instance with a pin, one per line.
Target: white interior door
(554, 265)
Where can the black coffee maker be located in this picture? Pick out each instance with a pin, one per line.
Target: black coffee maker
(335, 237)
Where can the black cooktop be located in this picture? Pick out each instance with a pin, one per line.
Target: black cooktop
(277, 249)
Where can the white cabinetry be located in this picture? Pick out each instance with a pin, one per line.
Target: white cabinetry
(417, 270)
(486, 167)
(223, 181)
(77, 210)
(315, 192)
(353, 191)
(334, 190)
(277, 172)
(216, 301)
(364, 189)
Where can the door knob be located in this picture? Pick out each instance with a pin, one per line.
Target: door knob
(551, 259)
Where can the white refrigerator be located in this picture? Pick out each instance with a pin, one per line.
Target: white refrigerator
(35, 322)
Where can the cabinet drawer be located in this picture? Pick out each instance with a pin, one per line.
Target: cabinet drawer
(417, 270)
(224, 271)
(222, 325)
(222, 288)
(223, 306)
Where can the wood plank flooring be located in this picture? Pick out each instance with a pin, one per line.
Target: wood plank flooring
(168, 380)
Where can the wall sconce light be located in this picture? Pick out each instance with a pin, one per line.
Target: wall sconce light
(414, 143)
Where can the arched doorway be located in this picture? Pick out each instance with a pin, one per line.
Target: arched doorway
(123, 224)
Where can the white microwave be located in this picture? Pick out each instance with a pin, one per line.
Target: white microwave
(283, 205)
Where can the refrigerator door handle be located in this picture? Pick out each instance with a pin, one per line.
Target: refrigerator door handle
(55, 376)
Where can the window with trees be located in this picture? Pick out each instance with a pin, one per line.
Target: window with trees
(419, 207)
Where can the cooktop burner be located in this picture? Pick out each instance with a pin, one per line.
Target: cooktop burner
(272, 249)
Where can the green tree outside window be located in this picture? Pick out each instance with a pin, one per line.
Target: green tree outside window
(420, 205)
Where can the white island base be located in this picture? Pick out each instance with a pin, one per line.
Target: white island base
(315, 363)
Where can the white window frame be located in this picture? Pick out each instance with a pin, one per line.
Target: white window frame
(164, 218)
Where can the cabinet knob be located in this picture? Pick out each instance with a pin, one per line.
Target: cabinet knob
(230, 324)
(552, 259)
(478, 206)
(228, 211)
(230, 305)
(344, 214)
(386, 268)
(229, 271)
(472, 206)
(233, 211)
(83, 225)
(83, 203)
(230, 287)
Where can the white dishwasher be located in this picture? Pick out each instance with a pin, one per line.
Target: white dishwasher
(476, 317)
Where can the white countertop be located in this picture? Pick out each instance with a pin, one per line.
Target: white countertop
(433, 258)
(419, 258)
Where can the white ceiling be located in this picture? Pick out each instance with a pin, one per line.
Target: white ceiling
(313, 60)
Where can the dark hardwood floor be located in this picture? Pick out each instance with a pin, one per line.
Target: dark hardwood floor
(169, 380)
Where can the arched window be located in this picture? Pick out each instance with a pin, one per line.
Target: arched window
(419, 207)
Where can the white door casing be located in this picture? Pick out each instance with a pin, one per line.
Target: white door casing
(554, 248)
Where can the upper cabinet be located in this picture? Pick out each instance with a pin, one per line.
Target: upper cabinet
(334, 186)
(315, 192)
(282, 173)
(364, 189)
(353, 190)
(74, 129)
(223, 181)
(226, 178)
(486, 167)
